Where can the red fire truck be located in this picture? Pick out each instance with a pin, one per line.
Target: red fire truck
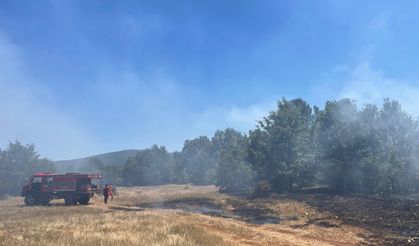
(72, 187)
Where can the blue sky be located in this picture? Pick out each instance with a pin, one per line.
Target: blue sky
(85, 77)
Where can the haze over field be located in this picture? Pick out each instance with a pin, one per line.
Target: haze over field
(80, 78)
(209, 123)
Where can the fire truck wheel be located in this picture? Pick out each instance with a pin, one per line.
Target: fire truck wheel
(30, 201)
(70, 201)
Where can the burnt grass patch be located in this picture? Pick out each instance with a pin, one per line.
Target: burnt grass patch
(389, 221)
(257, 216)
(235, 209)
(193, 205)
(322, 222)
(127, 209)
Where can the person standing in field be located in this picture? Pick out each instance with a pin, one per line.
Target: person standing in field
(106, 193)
(110, 189)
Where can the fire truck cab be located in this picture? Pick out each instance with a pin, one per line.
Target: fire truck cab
(72, 187)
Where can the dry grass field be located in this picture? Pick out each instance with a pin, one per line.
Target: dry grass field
(192, 215)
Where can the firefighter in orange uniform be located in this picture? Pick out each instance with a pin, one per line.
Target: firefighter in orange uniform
(106, 194)
(110, 192)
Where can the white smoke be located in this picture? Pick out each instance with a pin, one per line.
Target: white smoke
(27, 112)
(367, 85)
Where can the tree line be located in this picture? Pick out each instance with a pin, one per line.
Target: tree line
(221, 160)
(343, 147)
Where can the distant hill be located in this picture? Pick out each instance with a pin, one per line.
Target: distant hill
(111, 158)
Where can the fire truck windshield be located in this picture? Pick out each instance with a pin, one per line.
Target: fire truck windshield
(36, 180)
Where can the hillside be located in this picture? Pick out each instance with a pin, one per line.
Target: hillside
(111, 158)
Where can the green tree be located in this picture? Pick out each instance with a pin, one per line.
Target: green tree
(180, 175)
(370, 150)
(234, 173)
(151, 166)
(199, 162)
(281, 147)
(18, 162)
(340, 141)
(398, 141)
